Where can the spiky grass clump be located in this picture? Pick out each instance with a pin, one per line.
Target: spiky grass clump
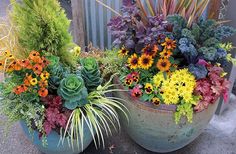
(99, 115)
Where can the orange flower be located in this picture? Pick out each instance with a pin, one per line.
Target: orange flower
(169, 44)
(27, 80)
(43, 92)
(25, 64)
(15, 66)
(149, 50)
(37, 69)
(163, 64)
(44, 62)
(43, 83)
(35, 57)
(166, 53)
(20, 89)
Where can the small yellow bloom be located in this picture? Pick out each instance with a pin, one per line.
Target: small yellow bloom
(133, 61)
(148, 88)
(123, 52)
(145, 61)
(33, 81)
(44, 75)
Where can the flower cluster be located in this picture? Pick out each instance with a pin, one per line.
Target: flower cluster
(33, 69)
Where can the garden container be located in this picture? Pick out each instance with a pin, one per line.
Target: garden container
(154, 127)
(53, 139)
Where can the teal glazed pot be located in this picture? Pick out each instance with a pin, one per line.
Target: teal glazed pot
(154, 128)
(53, 139)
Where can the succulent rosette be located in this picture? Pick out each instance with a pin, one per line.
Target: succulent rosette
(72, 89)
(90, 73)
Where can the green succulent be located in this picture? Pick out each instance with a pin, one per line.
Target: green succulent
(73, 91)
(90, 73)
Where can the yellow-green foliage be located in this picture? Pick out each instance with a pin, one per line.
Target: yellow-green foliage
(43, 25)
(8, 39)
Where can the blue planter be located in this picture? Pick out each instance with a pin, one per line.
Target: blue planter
(154, 128)
(53, 140)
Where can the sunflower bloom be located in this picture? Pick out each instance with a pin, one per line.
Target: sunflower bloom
(33, 81)
(35, 57)
(169, 44)
(149, 50)
(166, 53)
(123, 52)
(163, 64)
(133, 61)
(145, 61)
(43, 83)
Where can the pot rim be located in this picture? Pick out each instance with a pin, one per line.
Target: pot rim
(164, 108)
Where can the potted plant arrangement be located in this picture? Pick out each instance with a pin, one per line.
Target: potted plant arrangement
(58, 96)
(172, 70)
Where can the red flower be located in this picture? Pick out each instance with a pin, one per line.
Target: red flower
(135, 76)
(136, 92)
(129, 80)
(43, 92)
(25, 64)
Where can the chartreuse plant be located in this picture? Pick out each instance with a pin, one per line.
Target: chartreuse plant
(42, 25)
(90, 73)
(99, 114)
(73, 91)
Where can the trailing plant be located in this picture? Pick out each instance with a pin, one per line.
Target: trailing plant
(42, 25)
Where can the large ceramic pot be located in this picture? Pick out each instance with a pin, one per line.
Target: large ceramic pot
(53, 139)
(154, 127)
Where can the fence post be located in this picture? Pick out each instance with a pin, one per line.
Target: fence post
(78, 22)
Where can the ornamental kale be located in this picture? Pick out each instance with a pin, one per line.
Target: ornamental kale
(73, 91)
(201, 40)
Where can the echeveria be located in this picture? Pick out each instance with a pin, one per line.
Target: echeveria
(73, 91)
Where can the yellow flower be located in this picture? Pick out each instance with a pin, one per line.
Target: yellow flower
(145, 61)
(44, 75)
(33, 81)
(123, 52)
(169, 44)
(133, 61)
(166, 53)
(148, 88)
(156, 101)
(158, 79)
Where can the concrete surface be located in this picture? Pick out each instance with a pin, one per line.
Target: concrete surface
(218, 138)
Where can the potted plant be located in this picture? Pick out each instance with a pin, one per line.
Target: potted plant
(172, 70)
(58, 96)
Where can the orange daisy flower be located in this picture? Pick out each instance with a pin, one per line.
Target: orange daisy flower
(35, 57)
(37, 69)
(133, 61)
(43, 83)
(25, 64)
(44, 62)
(27, 80)
(145, 61)
(166, 53)
(15, 65)
(43, 92)
(20, 89)
(163, 64)
(169, 44)
(149, 50)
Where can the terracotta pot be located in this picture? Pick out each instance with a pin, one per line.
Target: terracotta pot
(154, 127)
(53, 139)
